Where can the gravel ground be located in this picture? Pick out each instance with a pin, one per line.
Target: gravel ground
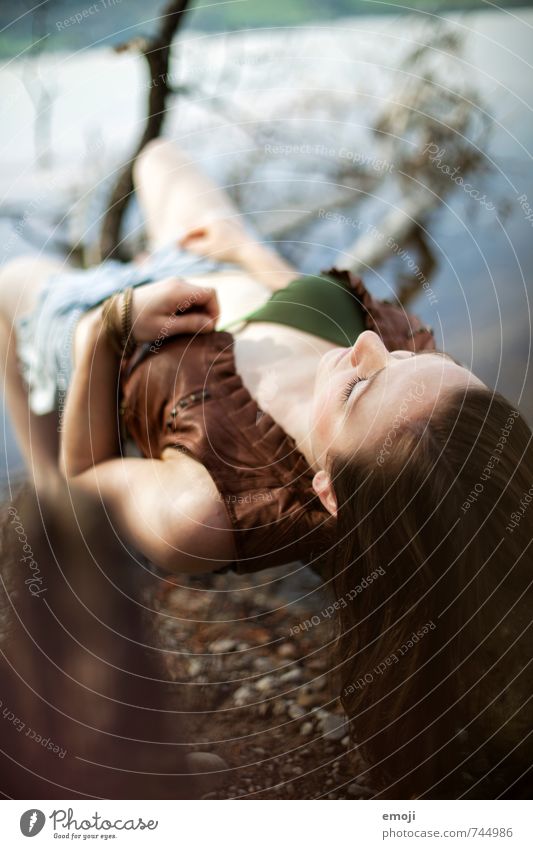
(257, 696)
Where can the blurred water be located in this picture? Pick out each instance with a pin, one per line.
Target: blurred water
(484, 260)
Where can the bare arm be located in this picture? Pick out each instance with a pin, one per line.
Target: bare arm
(267, 266)
(226, 240)
(168, 508)
(90, 432)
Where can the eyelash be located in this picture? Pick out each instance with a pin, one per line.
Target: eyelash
(347, 391)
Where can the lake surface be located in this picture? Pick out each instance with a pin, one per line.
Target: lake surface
(482, 279)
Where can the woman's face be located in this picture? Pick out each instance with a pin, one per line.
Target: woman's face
(363, 394)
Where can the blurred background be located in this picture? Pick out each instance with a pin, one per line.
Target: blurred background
(395, 137)
(391, 138)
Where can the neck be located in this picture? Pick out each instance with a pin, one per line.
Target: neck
(295, 418)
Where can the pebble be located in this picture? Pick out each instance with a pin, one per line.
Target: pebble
(210, 766)
(321, 713)
(358, 790)
(222, 646)
(287, 650)
(345, 741)
(194, 666)
(307, 699)
(243, 694)
(264, 685)
(333, 727)
(291, 675)
(306, 728)
(200, 762)
(262, 663)
(295, 711)
(297, 770)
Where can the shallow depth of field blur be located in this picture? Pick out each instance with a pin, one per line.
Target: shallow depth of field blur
(331, 124)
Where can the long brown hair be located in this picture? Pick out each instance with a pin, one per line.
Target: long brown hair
(432, 570)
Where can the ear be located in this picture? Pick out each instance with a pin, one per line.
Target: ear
(323, 487)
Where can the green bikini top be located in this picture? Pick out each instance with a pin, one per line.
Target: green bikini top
(318, 304)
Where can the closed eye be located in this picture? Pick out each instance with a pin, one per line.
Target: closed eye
(348, 389)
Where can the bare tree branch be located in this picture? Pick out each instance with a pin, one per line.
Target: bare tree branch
(156, 51)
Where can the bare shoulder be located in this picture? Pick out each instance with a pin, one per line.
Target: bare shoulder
(169, 508)
(197, 493)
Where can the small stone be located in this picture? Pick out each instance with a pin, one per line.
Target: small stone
(332, 796)
(297, 770)
(291, 675)
(210, 766)
(194, 667)
(264, 685)
(242, 695)
(258, 750)
(289, 789)
(287, 650)
(355, 789)
(264, 709)
(262, 663)
(295, 711)
(280, 707)
(222, 646)
(202, 762)
(345, 741)
(321, 713)
(306, 729)
(307, 699)
(333, 727)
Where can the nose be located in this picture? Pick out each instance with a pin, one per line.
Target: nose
(369, 352)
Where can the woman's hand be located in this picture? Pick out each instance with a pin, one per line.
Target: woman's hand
(172, 306)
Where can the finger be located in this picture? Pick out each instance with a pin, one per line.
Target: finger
(194, 323)
(200, 296)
